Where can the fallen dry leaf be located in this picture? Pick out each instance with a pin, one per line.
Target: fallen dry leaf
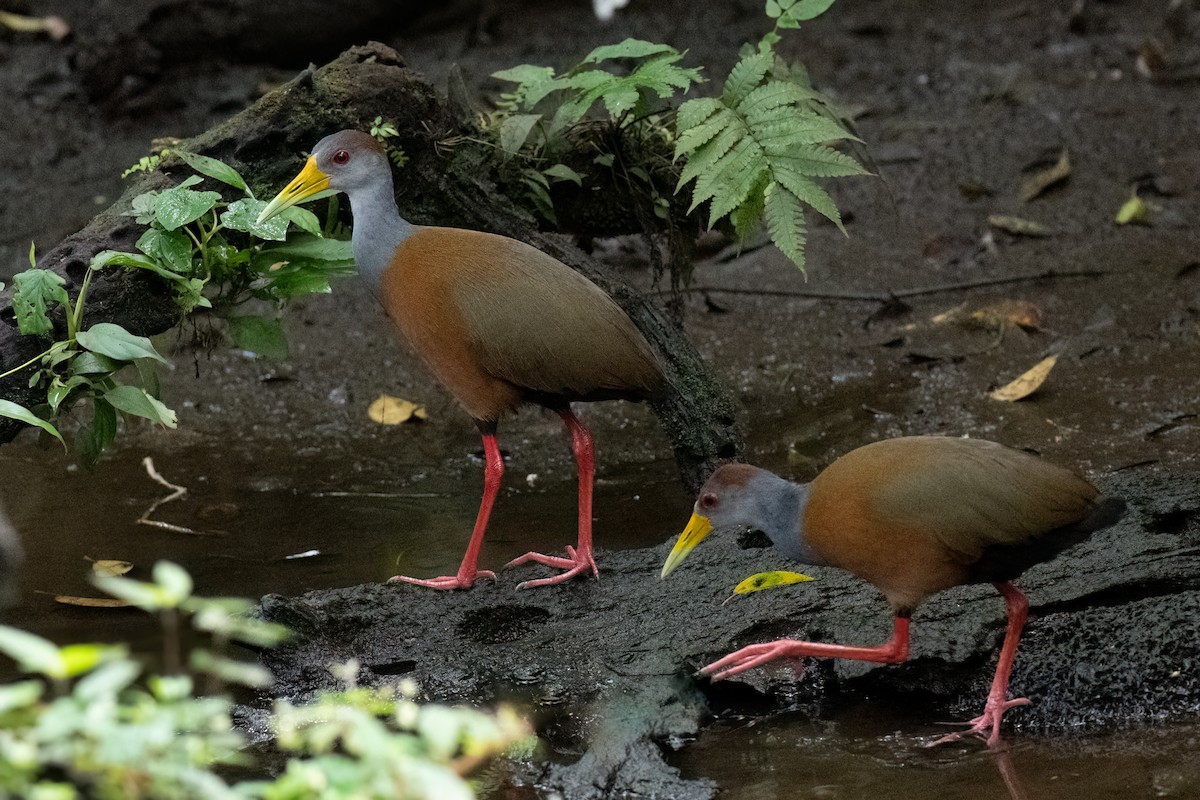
(108, 566)
(1028, 383)
(55, 27)
(767, 580)
(90, 602)
(994, 316)
(388, 410)
(1134, 211)
(1043, 179)
(1018, 226)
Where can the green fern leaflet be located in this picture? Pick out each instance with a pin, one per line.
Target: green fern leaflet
(754, 152)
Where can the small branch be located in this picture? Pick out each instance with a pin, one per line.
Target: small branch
(883, 297)
(176, 493)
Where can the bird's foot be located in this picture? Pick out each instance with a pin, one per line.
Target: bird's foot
(986, 726)
(577, 562)
(446, 581)
(750, 657)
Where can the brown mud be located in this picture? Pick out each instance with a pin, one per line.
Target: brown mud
(956, 101)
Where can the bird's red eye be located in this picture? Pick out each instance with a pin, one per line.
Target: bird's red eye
(341, 157)
(708, 501)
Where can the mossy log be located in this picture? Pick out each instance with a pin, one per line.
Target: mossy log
(446, 182)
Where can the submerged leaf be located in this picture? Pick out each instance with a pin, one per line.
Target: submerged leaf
(1042, 180)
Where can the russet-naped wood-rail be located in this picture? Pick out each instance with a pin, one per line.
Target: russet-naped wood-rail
(499, 323)
(913, 516)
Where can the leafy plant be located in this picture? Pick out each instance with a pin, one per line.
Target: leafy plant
(538, 122)
(754, 151)
(213, 253)
(92, 723)
(384, 132)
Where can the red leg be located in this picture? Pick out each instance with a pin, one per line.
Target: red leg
(893, 652)
(579, 559)
(467, 574)
(987, 724)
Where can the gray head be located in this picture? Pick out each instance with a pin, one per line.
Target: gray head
(740, 494)
(346, 161)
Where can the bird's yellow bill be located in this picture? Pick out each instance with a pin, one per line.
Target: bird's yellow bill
(697, 528)
(310, 181)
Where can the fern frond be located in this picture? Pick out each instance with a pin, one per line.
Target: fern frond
(819, 161)
(707, 155)
(693, 112)
(807, 191)
(744, 77)
(785, 222)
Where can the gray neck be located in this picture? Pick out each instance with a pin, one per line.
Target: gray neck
(779, 513)
(378, 229)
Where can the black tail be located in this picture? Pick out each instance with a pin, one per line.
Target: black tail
(1004, 562)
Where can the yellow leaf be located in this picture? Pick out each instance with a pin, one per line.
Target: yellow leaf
(1042, 180)
(108, 566)
(1135, 211)
(1018, 226)
(90, 602)
(769, 580)
(388, 410)
(1028, 383)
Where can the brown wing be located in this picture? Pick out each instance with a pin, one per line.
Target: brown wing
(538, 324)
(972, 494)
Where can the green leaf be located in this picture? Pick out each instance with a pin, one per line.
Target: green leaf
(92, 364)
(693, 112)
(561, 172)
(94, 438)
(810, 193)
(630, 48)
(242, 215)
(295, 280)
(181, 205)
(23, 414)
(808, 9)
(214, 169)
(303, 219)
(107, 681)
(702, 133)
(514, 131)
(146, 596)
(262, 335)
(60, 390)
(309, 248)
(114, 341)
(32, 653)
(80, 658)
(135, 400)
(745, 76)
(534, 82)
(240, 672)
(174, 580)
(785, 223)
(34, 292)
(173, 248)
(142, 207)
(21, 694)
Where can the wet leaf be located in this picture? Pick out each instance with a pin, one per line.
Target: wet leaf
(769, 580)
(242, 215)
(114, 341)
(14, 411)
(134, 400)
(177, 207)
(35, 291)
(388, 410)
(109, 566)
(1018, 226)
(214, 169)
(90, 602)
(1134, 211)
(994, 316)
(1027, 383)
(1043, 179)
(173, 248)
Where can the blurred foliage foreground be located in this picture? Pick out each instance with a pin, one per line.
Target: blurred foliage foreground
(93, 723)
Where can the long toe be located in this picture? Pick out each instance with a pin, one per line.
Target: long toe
(986, 726)
(577, 563)
(445, 581)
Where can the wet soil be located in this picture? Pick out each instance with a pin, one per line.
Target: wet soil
(957, 99)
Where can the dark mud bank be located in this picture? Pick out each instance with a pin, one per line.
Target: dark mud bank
(605, 668)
